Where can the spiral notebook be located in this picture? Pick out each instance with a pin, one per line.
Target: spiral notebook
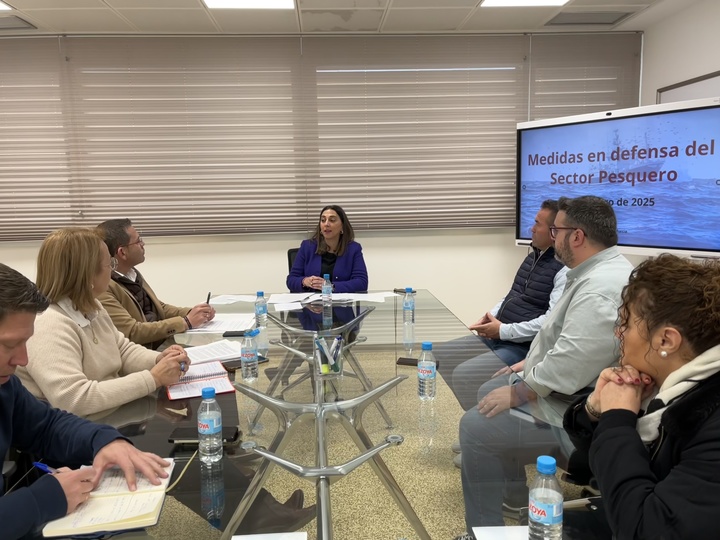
(208, 375)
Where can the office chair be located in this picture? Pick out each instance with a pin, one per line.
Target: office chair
(292, 253)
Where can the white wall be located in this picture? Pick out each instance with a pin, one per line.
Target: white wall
(681, 47)
(467, 270)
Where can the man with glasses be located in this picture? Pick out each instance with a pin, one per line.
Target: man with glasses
(575, 343)
(133, 306)
(511, 325)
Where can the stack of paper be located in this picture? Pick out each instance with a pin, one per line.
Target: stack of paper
(223, 351)
(224, 322)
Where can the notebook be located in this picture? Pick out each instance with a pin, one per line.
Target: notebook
(113, 507)
(208, 375)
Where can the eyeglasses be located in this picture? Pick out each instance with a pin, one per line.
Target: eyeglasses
(554, 230)
(138, 241)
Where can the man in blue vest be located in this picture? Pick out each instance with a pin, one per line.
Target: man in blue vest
(509, 327)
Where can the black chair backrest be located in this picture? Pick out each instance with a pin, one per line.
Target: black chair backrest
(292, 253)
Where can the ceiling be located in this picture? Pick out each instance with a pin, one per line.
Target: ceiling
(184, 17)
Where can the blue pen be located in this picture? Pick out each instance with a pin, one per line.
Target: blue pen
(182, 367)
(44, 468)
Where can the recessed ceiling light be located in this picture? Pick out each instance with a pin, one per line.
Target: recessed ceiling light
(523, 3)
(4, 6)
(250, 4)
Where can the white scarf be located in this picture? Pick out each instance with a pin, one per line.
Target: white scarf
(676, 384)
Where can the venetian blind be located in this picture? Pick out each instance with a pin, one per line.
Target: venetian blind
(201, 135)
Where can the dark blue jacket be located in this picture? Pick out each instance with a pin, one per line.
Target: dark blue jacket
(31, 425)
(349, 275)
(529, 296)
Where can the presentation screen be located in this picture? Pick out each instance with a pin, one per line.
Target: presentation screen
(658, 166)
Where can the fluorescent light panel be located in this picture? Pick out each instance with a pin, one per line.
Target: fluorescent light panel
(4, 7)
(523, 3)
(250, 4)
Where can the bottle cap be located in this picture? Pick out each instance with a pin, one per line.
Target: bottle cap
(252, 333)
(260, 293)
(546, 465)
(408, 289)
(208, 393)
(427, 345)
(326, 276)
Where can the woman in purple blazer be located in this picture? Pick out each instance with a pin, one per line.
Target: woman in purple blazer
(331, 250)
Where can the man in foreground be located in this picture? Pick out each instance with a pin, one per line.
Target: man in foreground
(32, 426)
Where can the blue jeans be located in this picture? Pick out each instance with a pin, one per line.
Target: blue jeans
(508, 351)
(494, 454)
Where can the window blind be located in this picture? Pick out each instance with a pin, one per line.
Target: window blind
(213, 135)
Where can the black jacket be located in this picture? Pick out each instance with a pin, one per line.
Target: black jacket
(669, 490)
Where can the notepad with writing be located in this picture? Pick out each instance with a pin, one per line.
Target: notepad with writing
(210, 374)
(113, 507)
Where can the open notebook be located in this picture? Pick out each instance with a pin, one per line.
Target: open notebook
(208, 375)
(113, 507)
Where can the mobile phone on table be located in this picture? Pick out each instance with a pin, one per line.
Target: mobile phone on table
(188, 436)
(401, 290)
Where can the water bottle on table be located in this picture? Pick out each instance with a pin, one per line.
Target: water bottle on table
(261, 323)
(408, 321)
(249, 356)
(545, 506)
(209, 418)
(326, 293)
(427, 371)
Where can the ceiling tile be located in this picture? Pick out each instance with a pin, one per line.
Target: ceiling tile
(424, 20)
(362, 20)
(256, 21)
(81, 20)
(167, 4)
(342, 4)
(191, 21)
(509, 19)
(441, 4)
(53, 4)
(616, 5)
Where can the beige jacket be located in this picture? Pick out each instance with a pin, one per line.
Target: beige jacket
(85, 366)
(126, 313)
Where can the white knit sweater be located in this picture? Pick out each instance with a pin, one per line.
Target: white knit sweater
(72, 372)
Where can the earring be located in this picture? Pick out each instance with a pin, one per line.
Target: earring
(663, 354)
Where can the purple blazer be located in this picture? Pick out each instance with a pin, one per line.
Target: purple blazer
(349, 274)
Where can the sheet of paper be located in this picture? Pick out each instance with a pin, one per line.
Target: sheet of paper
(226, 321)
(287, 298)
(194, 389)
(224, 299)
(288, 307)
(113, 482)
(219, 350)
(518, 532)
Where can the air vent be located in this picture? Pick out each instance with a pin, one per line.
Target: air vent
(14, 23)
(605, 18)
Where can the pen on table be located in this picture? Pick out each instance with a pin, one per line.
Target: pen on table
(44, 468)
(208, 299)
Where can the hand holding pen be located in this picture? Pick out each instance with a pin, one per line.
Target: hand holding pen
(171, 364)
(201, 314)
(76, 485)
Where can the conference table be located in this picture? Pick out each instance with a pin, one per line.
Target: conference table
(407, 487)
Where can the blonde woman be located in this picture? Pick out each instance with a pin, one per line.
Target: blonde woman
(79, 361)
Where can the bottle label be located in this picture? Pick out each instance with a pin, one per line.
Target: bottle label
(261, 309)
(547, 514)
(426, 371)
(210, 425)
(248, 356)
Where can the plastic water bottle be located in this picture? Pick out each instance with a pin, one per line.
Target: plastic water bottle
(327, 301)
(427, 371)
(209, 418)
(249, 356)
(545, 507)
(212, 492)
(408, 321)
(261, 323)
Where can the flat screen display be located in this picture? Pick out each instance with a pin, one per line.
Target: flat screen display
(659, 167)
